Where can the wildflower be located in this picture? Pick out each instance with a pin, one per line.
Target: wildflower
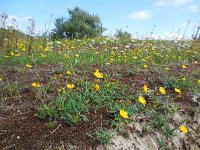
(177, 90)
(183, 79)
(183, 129)
(70, 86)
(198, 81)
(34, 84)
(167, 68)
(17, 55)
(1, 79)
(78, 113)
(98, 74)
(162, 90)
(96, 87)
(184, 66)
(141, 100)
(145, 66)
(46, 49)
(123, 113)
(68, 72)
(61, 75)
(29, 66)
(145, 88)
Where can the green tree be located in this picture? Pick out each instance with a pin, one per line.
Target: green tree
(79, 24)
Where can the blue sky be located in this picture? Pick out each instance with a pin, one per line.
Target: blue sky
(169, 17)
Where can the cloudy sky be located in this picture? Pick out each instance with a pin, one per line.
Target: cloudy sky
(140, 17)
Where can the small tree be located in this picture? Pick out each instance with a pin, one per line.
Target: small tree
(79, 24)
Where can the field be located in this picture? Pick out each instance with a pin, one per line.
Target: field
(100, 93)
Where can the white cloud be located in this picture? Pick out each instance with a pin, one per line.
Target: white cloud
(140, 15)
(193, 8)
(172, 2)
(163, 2)
(182, 2)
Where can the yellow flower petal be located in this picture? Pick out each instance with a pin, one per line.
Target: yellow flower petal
(28, 65)
(70, 86)
(142, 100)
(68, 72)
(198, 81)
(96, 87)
(183, 129)
(184, 66)
(162, 90)
(34, 84)
(177, 90)
(123, 113)
(145, 88)
(167, 68)
(98, 74)
(183, 79)
(145, 66)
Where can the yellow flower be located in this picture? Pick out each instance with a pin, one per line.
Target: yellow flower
(123, 113)
(34, 84)
(29, 66)
(145, 88)
(17, 55)
(141, 100)
(184, 66)
(145, 66)
(1, 79)
(61, 75)
(177, 90)
(68, 72)
(162, 90)
(198, 81)
(70, 86)
(46, 49)
(167, 68)
(98, 74)
(183, 79)
(65, 55)
(183, 129)
(96, 87)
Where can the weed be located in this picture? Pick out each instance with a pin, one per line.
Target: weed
(51, 124)
(2, 107)
(12, 88)
(102, 135)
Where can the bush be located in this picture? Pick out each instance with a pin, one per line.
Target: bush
(122, 35)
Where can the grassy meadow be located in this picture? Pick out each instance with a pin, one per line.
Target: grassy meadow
(84, 92)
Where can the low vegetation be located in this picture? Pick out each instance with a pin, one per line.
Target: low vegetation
(84, 93)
